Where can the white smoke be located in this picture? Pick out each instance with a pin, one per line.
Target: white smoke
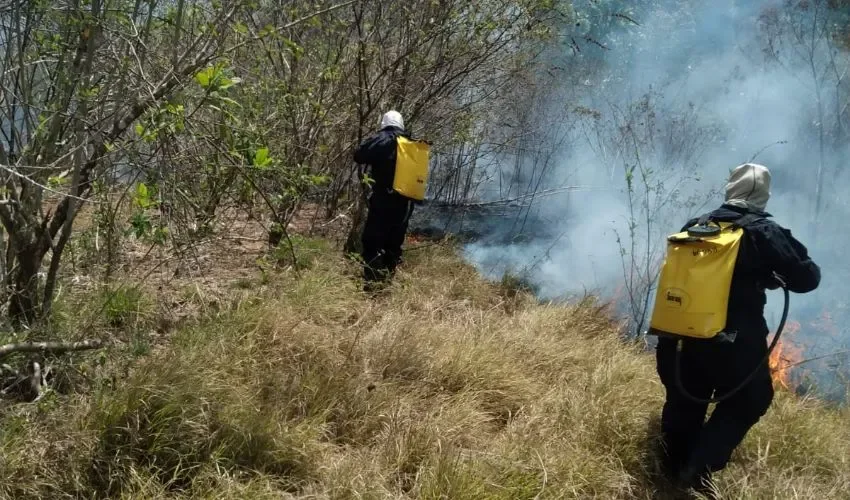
(718, 94)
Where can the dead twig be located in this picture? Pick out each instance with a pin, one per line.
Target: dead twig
(627, 18)
(816, 358)
(762, 150)
(52, 347)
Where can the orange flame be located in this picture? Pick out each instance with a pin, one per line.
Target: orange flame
(784, 356)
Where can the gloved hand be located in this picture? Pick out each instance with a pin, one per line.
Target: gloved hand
(773, 281)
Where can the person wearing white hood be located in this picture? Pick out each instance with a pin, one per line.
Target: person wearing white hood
(389, 211)
(695, 448)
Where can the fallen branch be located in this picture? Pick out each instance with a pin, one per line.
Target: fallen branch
(516, 200)
(52, 347)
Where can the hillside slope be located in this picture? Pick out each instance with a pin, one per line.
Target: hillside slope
(446, 387)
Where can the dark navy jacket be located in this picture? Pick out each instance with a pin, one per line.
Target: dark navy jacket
(766, 248)
(379, 151)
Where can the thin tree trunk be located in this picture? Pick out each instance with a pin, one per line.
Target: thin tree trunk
(23, 306)
(353, 243)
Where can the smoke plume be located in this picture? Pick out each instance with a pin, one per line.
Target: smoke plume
(680, 96)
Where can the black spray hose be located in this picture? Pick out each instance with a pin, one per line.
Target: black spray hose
(678, 375)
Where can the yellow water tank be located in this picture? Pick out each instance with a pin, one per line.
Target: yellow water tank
(411, 168)
(693, 290)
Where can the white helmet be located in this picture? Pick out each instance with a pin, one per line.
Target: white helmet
(392, 119)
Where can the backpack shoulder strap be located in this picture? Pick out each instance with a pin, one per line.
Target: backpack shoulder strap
(742, 223)
(746, 219)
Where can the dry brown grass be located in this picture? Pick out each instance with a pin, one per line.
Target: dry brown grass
(447, 387)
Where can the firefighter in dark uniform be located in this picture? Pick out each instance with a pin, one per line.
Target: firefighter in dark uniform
(695, 447)
(389, 211)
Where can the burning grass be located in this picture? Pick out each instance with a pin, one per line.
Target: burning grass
(785, 356)
(447, 387)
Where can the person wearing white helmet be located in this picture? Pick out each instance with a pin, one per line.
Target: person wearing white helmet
(389, 212)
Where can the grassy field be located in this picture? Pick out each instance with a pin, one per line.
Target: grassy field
(285, 386)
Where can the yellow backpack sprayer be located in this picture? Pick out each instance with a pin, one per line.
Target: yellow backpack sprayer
(692, 297)
(411, 168)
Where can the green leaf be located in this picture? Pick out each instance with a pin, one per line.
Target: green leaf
(160, 235)
(230, 101)
(261, 157)
(56, 181)
(320, 180)
(223, 83)
(213, 78)
(267, 31)
(142, 197)
(205, 77)
(293, 46)
(140, 225)
(140, 129)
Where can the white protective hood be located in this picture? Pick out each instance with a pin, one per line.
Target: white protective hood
(749, 187)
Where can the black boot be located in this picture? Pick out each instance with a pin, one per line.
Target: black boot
(699, 479)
